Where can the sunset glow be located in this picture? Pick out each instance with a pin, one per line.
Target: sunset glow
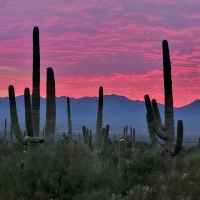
(114, 44)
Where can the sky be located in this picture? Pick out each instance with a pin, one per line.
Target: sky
(116, 44)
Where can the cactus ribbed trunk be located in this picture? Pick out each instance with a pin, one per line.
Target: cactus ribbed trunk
(11, 134)
(169, 112)
(50, 107)
(69, 120)
(98, 139)
(36, 83)
(28, 116)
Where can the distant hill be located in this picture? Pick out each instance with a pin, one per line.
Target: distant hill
(118, 111)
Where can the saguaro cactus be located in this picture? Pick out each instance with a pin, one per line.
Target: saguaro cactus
(133, 139)
(165, 132)
(15, 125)
(104, 142)
(32, 148)
(69, 120)
(5, 129)
(122, 165)
(90, 140)
(50, 107)
(86, 139)
(97, 146)
(85, 136)
(36, 82)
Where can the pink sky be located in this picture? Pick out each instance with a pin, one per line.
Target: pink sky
(115, 44)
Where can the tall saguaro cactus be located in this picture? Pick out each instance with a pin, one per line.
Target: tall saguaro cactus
(69, 120)
(50, 107)
(36, 82)
(155, 125)
(98, 139)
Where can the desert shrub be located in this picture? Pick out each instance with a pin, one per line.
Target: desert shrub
(10, 162)
(143, 146)
(143, 168)
(67, 172)
(185, 183)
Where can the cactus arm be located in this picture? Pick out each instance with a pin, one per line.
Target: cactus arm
(105, 140)
(152, 120)
(50, 106)
(102, 134)
(28, 117)
(179, 138)
(34, 139)
(14, 117)
(154, 140)
(157, 114)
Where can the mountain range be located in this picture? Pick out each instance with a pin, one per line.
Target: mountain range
(118, 111)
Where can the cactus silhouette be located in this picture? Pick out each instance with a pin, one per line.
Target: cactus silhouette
(165, 131)
(132, 130)
(5, 129)
(122, 165)
(90, 140)
(86, 139)
(50, 107)
(69, 120)
(104, 142)
(36, 82)
(85, 136)
(98, 140)
(16, 128)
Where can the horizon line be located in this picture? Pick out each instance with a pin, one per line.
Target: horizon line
(105, 95)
